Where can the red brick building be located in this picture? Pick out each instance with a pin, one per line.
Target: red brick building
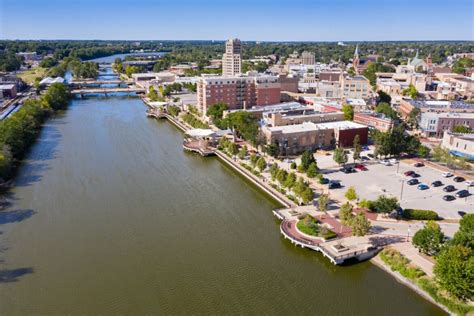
(238, 92)
(374, 120)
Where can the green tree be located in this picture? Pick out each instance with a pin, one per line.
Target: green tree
(340, 156)
(274, 171)
(272, 150)
(307, 195)
(216, 111)
(293, 165)
(244, 124)
(299, 186)
(323, 202)
(429, 239)
(357, 148)
(423, 151)
(281, 176)
(348, 111)
(461, 129)
(351, 194)
(465, 235)
(312, 170)
(413, 117)
(57, 96)
(253, 159)
(307, 159)
(384, 204)
(410, 91)
(454, 271)
(232, 148)
(243, 152)
(345, 214)
(261, 164)
(383, 97)
(360, 225)
(290, 180)
(387, 110)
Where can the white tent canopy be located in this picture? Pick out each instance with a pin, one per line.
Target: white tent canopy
(200, 133)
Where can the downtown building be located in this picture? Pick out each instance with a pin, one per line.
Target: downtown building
(232, 58)
(238, 92)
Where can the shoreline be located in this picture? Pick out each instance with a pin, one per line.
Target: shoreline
(376, 261)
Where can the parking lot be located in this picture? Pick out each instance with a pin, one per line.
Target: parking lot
(380, 179)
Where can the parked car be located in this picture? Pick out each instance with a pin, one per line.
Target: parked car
(462, 193)
(371, 156)
(347, 170)
(364, 158)
(415, 175)
(470, 183)
(409, 173)
(413, 181)
(447, 174)
(334, 185)
(436, 183)
(448, 197)
(324, 181)
(458, 179)
(419, 164)
(393, 161)
(360, 167)
(449, 188)
(423, 187)
(385, 162)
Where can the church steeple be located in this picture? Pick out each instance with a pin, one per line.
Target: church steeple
(355, 60)
(356, 52)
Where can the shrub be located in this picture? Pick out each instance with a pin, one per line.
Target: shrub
(416, 214)
(293, 165)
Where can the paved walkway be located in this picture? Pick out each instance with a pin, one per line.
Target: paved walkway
(409, 251)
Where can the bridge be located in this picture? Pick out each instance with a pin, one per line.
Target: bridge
(97, 82)
(106, 91)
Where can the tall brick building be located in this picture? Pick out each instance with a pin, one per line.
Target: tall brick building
(238, 92)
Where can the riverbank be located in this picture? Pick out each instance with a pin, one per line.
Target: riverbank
(265, 187)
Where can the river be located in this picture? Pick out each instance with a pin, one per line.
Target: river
(110, 216)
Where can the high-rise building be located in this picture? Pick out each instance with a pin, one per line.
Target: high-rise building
(238, 92)
(232, 58)
(308, 58)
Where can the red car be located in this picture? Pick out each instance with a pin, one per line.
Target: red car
(409, 173)
(360, 167)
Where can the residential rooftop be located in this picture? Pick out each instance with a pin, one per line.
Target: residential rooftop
(309, 126)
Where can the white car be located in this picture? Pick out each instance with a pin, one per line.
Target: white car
(470, 183)
(385, 162)
(393, 161)
(447, 174)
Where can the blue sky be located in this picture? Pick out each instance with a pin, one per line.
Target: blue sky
(263, 20)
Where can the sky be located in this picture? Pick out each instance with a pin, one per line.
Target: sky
(259, 20)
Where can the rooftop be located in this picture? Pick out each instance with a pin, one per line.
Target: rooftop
(308, 126)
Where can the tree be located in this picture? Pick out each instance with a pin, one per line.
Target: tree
(345, 214)
(383, 97)
(216, 111)
(387, 110)
(461, 129)
(253, 159)
(232, 148)
(290, 180)
(410, 91)
(454, 270)
(323, 202)
(307, 159)
(312, 170)
(384, 204)
(351, 194)
(261, 164)
(244, 124)
(299, 186)
(348, 111)
(243, 152)
(57, 96)
(152, 94)
(274, 171)
(413, 117)
(429, 239)
(373, 68)
(293, 165)
(272, 150)
(281, 176)
(340, 156)
(357, 148)
(307, 195)
(424, 151)
(465, 235)
(360, 225)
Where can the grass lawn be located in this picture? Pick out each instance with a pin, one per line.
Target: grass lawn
(310, 226)
(30, 75)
